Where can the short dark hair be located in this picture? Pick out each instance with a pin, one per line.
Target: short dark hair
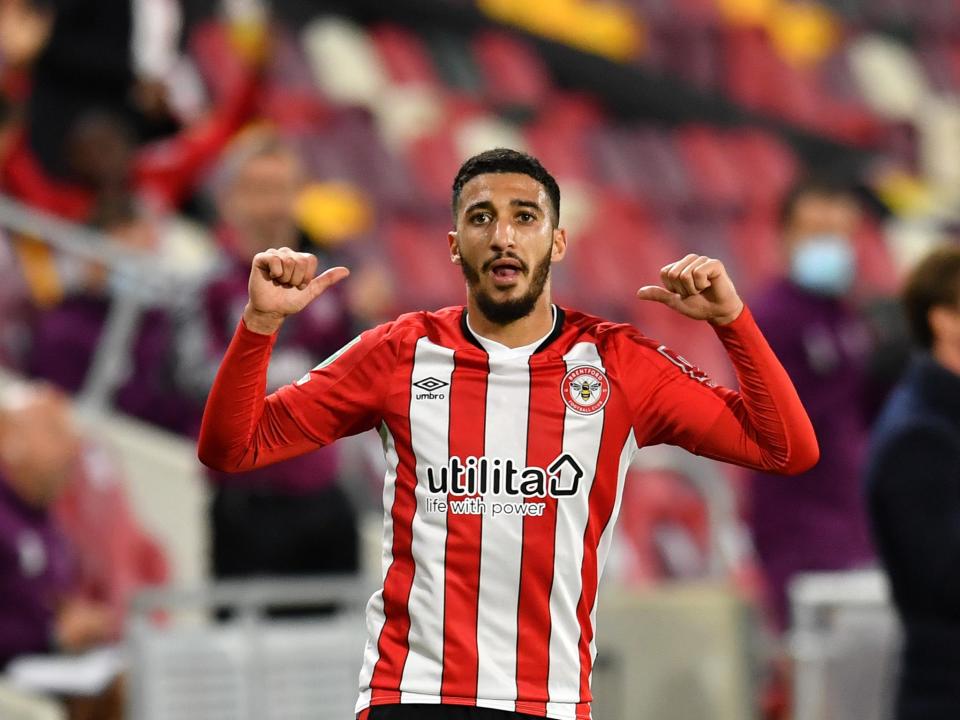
(933, 282)
(820, 184)
(504, 160)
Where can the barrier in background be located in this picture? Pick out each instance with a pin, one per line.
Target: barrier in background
(845, 646)
(18, 705)
(251, 667)
(679, 651)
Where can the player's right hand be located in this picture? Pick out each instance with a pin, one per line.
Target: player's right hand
(282, 283)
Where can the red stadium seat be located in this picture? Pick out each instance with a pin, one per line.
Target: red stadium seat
(749, 74)
(559, 138)
(433, 160)
(700, 14)
(425, 277)
(404, 55)
(215, 58)
(295, 111)
(755, 243)
(876, 271)
(514, 76)
(939, 66)
(693, 54)
(768, 165)
(620, 251)
(658, 504)
(716, 172)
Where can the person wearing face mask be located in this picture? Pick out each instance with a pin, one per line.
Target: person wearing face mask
(913, 491)
(815, 522)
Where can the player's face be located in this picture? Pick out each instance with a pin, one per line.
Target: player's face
(504, 242)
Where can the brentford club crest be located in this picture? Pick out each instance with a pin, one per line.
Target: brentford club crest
(585, 390)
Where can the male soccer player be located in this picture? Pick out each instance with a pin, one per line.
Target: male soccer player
(508, 426)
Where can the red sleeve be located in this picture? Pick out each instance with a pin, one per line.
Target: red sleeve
(27, 181)
(763, 426)
(344, 395)
(168, 169)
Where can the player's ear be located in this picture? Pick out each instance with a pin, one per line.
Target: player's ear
(454, 247)
(559, 244)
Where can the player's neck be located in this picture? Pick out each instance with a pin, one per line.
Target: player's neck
(518, 333)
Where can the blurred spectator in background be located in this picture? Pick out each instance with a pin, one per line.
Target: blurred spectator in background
(291, 518)
(39, 451)
(107, 168)
(71, 552)
(913, 485)
(25, 28)
(815, 521)
(129, 193)
(114, 557)
(119, 55)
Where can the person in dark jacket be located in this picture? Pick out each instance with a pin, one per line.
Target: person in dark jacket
(816, 521)
(913, 488)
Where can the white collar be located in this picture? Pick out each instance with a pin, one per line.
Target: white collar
(502, 352)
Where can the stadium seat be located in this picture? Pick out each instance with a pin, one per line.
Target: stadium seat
(769, 166)
(484, 132)
(755, 244)
(288, 66)
(562, 150)
(889, 76)
(514, 76)
(344, 61)
(426, 279)
(714, 170)
(664, 521)
(218, 63)
(433, 159)
(404, 56)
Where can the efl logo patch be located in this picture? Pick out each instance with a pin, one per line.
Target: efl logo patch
(585, 390)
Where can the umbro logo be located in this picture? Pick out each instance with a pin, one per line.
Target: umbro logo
(430, 385)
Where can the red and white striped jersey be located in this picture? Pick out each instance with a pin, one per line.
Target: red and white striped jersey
(504, 480)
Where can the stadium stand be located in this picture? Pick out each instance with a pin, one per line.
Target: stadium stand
(671, 127)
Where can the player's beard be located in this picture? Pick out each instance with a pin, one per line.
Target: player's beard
(504, 312)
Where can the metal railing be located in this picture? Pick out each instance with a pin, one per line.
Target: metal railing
(138, 284)
(252, 666)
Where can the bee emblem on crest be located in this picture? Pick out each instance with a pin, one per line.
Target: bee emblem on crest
(585, 389)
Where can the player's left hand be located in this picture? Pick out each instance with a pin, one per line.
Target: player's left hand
(698, 287)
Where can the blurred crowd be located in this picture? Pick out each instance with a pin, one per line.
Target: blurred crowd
(190, 148)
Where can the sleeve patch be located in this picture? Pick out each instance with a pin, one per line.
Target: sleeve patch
(330, 360)
(685, 366)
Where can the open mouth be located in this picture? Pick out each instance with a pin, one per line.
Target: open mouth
(506, 269)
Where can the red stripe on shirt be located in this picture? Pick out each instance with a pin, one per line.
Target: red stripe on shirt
(468, 394)
(544, 445)
(603, 495)
(393, 642)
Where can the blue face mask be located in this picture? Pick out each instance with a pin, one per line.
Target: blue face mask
(823, 264)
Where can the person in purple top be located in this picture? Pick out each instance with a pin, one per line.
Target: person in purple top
(816, 521)
(291, 518)
(38, 452)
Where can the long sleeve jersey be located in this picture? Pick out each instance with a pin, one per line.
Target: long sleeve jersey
(505, 473)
